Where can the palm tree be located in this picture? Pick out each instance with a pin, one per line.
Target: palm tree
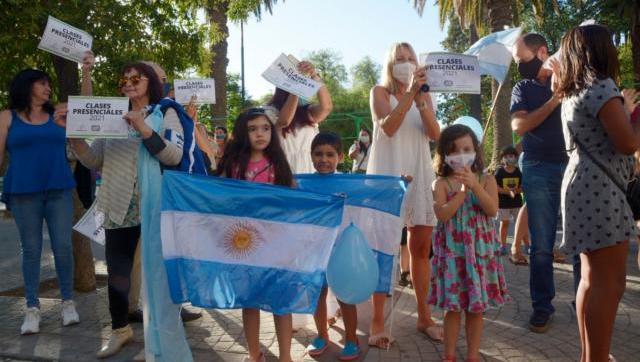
(495, 15)
(218, 13)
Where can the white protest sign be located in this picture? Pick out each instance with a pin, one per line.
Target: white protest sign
(203, 89)
(284, 74)
(451, 72)
(97, 117)
(90, 225)
(65, 40)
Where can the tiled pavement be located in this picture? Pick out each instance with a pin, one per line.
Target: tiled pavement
(218, 335)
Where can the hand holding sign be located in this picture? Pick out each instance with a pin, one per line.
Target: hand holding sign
(287, 75)
(204, 91)
(94, 117)
(65, 40)
(452, 73)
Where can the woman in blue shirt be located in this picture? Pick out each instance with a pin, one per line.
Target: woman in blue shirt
(38, 187)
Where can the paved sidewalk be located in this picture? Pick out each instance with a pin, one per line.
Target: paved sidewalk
(218, 335)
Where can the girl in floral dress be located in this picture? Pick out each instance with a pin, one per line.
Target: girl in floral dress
(468, 275)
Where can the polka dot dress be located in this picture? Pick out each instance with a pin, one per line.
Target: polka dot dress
(595, 212)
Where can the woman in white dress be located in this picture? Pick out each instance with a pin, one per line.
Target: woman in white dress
(299, 123)
(404, 121)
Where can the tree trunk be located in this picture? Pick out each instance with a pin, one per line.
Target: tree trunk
(500, 15)
(84, 268)
(635, 41)
(475, 100)
(217, 14)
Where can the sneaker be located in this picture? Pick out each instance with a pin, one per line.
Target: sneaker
(119, 337)
(188, 316)
(350, 352)
(317, 347)
(540, 321)
(69, 314)
(31, 322)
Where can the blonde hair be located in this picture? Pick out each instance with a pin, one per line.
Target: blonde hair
(387, 77)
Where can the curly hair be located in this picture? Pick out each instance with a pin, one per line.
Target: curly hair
(446, 145)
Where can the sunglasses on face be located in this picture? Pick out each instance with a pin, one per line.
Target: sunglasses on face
(135, 80)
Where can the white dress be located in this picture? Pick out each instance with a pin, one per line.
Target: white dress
(406, 153)
(297, 148)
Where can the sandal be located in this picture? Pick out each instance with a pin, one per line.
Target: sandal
(449, 359)
(518, 259)
(405, 280)
(317, 347)
(381, 340)
(431, 332)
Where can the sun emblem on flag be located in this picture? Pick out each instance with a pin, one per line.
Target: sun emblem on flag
(241, 240)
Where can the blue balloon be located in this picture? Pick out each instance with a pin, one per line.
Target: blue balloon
(352, 273)
(472, 123)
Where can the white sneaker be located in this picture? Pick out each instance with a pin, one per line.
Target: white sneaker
(119, 337)
(69, 314)
(31, 322)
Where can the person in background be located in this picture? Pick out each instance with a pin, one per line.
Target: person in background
(359, 151)
(404, 122)
(597, 219)
(38, 187)
(509, 179)
(298, 123)
(221, 136)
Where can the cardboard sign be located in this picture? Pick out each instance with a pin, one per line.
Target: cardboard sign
(64, 40)
(97, 117)
(90, 225)
(204, 90)
(284, 74)
(452, 73)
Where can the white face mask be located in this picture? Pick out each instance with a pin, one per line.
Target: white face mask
(403, 72)
(364, 139)
(459, 161)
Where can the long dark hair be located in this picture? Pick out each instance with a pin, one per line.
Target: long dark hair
(300, 119)
(446, 145)
(154, 86)
(364, 148)
(20, 90)
(587, 55)
(237, 152)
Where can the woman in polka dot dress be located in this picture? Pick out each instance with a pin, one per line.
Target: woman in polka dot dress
(598, 222)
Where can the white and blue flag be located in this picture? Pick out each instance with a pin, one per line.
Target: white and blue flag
(235, 244)
(373, 203)
(494, 52)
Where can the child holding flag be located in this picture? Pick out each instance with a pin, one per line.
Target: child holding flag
(254, 154)
(326, 154)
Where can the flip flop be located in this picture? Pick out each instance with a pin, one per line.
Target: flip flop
(518, 259)
(376, 339)
(430, 333)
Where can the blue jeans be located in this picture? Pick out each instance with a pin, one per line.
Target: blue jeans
(29, 211)
(541, 183)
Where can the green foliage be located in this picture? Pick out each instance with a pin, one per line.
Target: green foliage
(329, 66)
(159, 31)
(366, 74)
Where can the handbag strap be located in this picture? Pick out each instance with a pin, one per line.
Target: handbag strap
(596, 162)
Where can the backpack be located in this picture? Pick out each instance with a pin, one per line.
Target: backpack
(192, 159)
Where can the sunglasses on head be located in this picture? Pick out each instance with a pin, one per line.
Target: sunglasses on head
(135, 79)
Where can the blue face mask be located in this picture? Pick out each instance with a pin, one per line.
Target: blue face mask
(166, 88)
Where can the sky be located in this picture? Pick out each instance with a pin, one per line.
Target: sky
(353, 28)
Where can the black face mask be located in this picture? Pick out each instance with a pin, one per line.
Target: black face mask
(530, 69)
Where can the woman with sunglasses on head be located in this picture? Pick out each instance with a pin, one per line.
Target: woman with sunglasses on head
(119, 196)
(38, 186)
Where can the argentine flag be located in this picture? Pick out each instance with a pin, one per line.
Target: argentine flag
(235, 244)
(373, 204)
